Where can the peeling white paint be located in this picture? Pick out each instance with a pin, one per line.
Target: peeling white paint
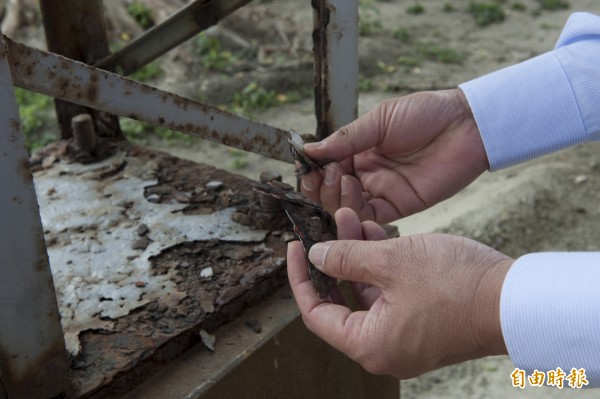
(90, 226)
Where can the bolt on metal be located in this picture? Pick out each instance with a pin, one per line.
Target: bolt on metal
(84, 133)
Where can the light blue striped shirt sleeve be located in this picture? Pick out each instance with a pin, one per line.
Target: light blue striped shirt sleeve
(550, 302)
(544, 104)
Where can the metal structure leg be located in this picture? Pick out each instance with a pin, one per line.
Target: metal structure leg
(77, 30)
(33, 362)
(335, 39)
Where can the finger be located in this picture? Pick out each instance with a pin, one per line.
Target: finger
(359, 261)
(351, 196)
(367, 294)
(373, 231)
(311, 185)
(358, 136)
(330, 321)
(296, 264)
(348, 225)
(330, 189)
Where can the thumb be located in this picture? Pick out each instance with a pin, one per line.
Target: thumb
(358, 261)
(358, 136)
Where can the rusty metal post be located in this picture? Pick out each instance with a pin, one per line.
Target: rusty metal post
(59, 77)
(77, 30)
(335, 39)
(33, 359)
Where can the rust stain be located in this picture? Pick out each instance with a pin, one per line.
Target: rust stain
(15, 130)
(23, 170)
(92, 89)
(322, 100)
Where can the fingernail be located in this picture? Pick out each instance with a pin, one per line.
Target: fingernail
(307, 184)
(317, 254)
(330, 175)
(345, 189)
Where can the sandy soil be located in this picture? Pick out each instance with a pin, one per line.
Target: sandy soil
(550, 203)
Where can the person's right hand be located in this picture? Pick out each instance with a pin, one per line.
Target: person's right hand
(402, 157)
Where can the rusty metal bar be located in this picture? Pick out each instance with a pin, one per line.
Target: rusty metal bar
(181, 26)
(77, 30)
(335, 39)
(73, 81)
(33, 361)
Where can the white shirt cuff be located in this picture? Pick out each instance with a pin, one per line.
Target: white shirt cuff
(550, 313)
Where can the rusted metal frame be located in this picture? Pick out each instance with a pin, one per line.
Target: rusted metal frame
(33, 360)
(73, 81)
(335, 39)
(77, 30)
(181, 26)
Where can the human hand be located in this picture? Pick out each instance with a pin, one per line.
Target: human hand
(402, 157)
(429, 300)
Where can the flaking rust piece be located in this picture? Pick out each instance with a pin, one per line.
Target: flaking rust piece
(306, 163)
(312, 224)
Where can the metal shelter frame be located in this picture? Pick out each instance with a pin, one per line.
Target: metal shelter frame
(33, 360)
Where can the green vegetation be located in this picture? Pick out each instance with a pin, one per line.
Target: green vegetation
(554, 4)
(366, 84)
(386, 68)
(415, 9)
(448, 7)
(408, 61)
(486, 13)
(238, 158)
(141, 14)
(254, 98)
(368, 18)
(402, 34)
(445, 55)
(518, 6)
(37, 118)
(148, 72)
(140, 133)
(212, 56)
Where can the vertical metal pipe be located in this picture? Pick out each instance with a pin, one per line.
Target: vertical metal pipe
(33, 360)
(77, 30)
(335, 39)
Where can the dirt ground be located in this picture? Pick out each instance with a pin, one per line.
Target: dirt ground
(547, 204)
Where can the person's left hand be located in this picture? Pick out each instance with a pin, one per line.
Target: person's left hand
(429, 300)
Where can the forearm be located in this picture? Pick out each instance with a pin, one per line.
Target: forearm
(544, 104)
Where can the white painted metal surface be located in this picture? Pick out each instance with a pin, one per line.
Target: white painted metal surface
(90, 225)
